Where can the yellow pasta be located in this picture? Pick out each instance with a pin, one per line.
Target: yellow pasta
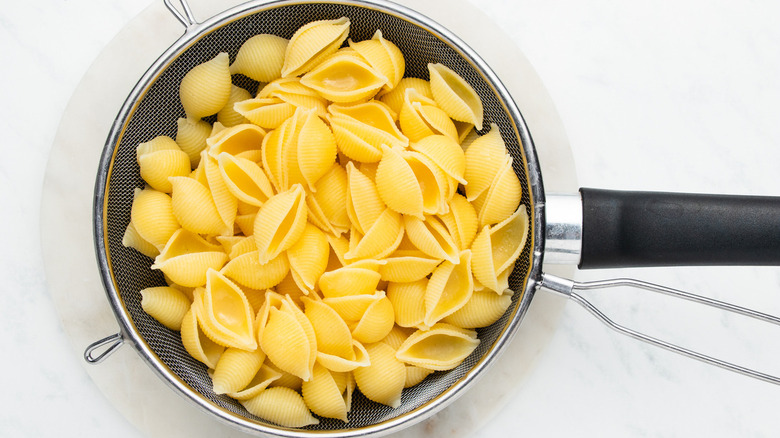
(235, 369)
(197, 344)
(159, 159)
(191, 137)
(384, 56)
(496, 248)
(282, 406)
(205, 89)
(309, 257)
(153, 218)
(394, 98)
(245, 179)
(503, 196)
(194, 207)
(228, 116)
(443, 347)
(165, 304)
(383, 380)
(132, 239)
(312, 43)
(187, 257)
(323, 395)
(482, 309)
(455, 96)
(280, 223)
(260, 57)
(484, 157)
(223, 313)
(431, 237)
(449, 288)
(343, 229)
(247, 270)
(344, 78)
(364, 204)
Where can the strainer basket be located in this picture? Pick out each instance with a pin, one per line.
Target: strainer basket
(152, 108)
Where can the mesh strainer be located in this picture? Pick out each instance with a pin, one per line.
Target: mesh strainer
(152, 109)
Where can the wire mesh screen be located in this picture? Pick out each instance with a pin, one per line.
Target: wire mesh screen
(156, 113)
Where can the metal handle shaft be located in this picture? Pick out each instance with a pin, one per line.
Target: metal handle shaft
(568, 288)
(187, 19)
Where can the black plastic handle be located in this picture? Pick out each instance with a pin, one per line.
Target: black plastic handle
(634, 229)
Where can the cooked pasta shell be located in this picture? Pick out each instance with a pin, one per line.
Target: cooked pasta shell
(394, 98)
(267, 112)
(503, 196)
(411, 184)
(443, 347)
(362, 129)
(415, 375)
(333, 335)
(405, 266)
(235, 246)
(316, 149)
(291, 90)
(285, 379)
(228, 116)
(397, 336)
(496, 248)
(382, 381)
(449, 289)
(455, 96)
(352, 307)
(323, 396)
(260, 57)
(191, 137)
(160, 158)
(224, 200)
(186, 258)
(348, 280)
(309, 256)
(282, 406)
(263, 379)
(131, 239)
(246, 223)
(384, 56)
(165, 304)
(482, 309)
(431, 237)
(461, 221)
(236, 140)
(312, 43)
(330, 198)
(408, 300)
(420, 117)
(484, 158)
(224, 313)
(381, 239)
(235, 369)
(247, 270)
(289, 340)
(245, 179)
(194, 207)
(445, 153)
(364, 204)
(358, 358)
(205, 89)
(376, 322)
(344, 78)
(280, 222)
(152, 216)
(197, 344)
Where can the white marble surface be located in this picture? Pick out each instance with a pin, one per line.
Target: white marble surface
(653, 95)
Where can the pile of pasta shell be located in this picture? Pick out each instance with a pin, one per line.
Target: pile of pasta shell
(342, 228)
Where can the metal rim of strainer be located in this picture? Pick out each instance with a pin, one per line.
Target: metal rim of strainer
(525, 164)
